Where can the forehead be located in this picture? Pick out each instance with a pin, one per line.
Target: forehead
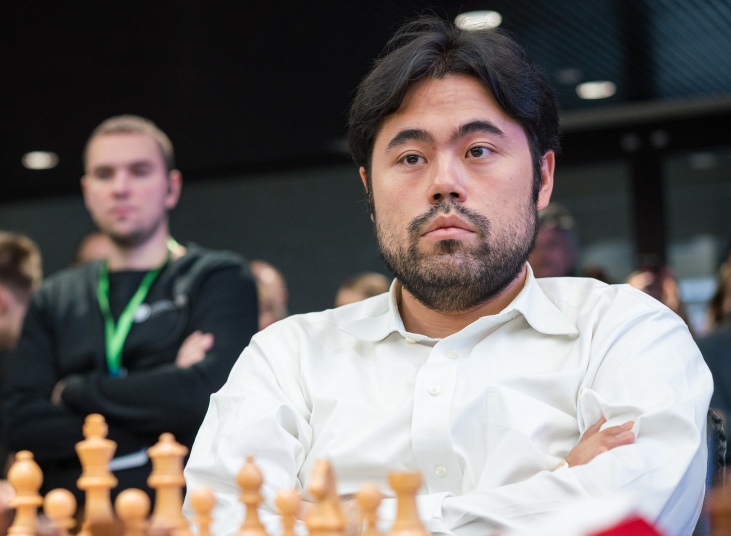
(122, 148)
(441, 105)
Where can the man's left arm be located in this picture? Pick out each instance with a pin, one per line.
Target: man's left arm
(651, 374)
(174, 397)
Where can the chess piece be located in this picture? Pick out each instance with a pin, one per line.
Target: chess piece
(59, 505)
(202, 500)
(167, 480)
(368, 498)
(326, 517)
(288, 503)
(26, 478)
(250, 480)
(95, 453)
(407, 522)
(133, 507)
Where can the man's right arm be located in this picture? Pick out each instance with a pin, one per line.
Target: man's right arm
(31, 421)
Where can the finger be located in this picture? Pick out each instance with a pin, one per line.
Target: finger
(593, 429)
(614, 430)
(207, 341)
(626, 437)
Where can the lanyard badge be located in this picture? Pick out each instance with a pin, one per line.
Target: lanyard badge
(116, 334)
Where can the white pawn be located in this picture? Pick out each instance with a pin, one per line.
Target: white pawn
(59, 506)
(133, 507)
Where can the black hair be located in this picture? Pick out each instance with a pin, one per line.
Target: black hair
(430, 47)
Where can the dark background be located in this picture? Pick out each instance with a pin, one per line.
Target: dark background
(254, 96)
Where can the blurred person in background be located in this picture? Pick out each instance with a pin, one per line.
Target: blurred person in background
(659, 281)
(271, 288)
(94, 246)
(554, 253)
(361, 286)
(20, 276)
(716, 344)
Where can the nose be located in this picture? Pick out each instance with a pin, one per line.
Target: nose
(120, 183)
(447, 181)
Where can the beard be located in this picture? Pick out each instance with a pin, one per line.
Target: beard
(455, 277)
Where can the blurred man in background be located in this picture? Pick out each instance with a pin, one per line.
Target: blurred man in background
(271, 288)
(554, 254)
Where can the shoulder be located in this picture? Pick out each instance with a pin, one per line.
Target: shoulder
(581, 296)
(200, 264)
(68, 283)
(198, 257)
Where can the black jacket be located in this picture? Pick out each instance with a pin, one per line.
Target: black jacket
(63, 338)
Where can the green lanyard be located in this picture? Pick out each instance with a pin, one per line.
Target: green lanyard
(115, 335)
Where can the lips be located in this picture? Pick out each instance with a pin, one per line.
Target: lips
(121, 211)
(448, 226)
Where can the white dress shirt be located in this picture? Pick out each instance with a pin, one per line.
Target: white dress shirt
(487, 415)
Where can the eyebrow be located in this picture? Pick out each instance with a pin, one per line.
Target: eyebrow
(411, 134)
(486, 127)
(416, 134)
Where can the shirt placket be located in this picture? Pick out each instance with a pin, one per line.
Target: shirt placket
(430, 427)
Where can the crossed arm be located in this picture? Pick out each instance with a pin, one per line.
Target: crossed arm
(594, 442)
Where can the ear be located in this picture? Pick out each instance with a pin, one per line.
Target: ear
(84, 187)
(364, 179)
(175, 183)
(548, 163)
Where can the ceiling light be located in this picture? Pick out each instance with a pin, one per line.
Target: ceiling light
(478, 20)
(40, 160)
(596, 90)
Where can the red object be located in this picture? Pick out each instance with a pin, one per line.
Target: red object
(633, 526)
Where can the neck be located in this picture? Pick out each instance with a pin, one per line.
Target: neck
(145, 256)
(418, 318)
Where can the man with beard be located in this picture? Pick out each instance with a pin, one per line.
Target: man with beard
(142, 337)
(511, 395)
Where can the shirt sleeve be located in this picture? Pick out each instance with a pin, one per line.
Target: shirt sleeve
(262, 411)
(168, 398)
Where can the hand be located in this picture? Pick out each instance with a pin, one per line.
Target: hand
(194, 348)
(56, 399)
(595, 441)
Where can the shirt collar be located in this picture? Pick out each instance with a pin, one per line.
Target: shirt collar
(381, 322)
(538, 310)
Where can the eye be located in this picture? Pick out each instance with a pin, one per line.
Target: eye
(412, 159)
(478, 152)
(103, 173)
(140, 170)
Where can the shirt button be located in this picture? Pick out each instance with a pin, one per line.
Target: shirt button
(451, 354)
(440, 470)
(410, 340)
(434, 390)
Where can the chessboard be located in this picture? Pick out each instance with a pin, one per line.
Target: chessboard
(130, 514)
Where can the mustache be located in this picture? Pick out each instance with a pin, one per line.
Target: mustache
(481, 223)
